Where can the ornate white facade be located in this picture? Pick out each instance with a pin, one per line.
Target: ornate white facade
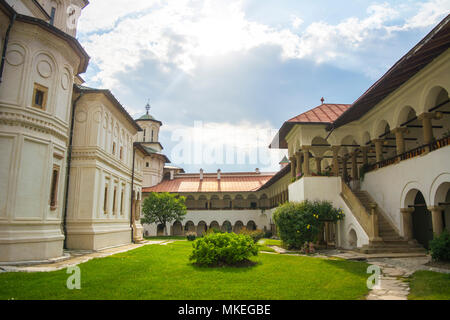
(39, 211)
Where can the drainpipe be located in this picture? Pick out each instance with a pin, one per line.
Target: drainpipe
(5, 45)
(132, 195)
(69, 161)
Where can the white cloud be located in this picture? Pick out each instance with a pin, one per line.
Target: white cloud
(296, 22)
(218, 144)
(120, 35)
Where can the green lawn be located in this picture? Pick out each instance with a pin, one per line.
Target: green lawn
(164, 272)
(427, 285)
(166, 238)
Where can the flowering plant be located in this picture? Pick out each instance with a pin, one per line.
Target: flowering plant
(300, 223)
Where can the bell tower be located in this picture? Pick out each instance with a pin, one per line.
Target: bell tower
(150, 126)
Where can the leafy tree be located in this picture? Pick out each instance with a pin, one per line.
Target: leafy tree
(163, 208)
(299, 223)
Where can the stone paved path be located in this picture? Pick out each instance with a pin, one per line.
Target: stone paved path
(77, 257)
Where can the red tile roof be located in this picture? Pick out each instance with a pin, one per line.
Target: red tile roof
(325, 113)
(210, 183)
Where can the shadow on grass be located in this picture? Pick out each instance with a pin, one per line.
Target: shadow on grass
(354, 267)
(243, 266)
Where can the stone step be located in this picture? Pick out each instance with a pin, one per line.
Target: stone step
(370, 250)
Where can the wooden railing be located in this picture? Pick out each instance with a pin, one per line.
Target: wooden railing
(437, 144)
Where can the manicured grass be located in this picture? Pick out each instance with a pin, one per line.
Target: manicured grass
(164, 272)
(271, 242)
(427, 285)
(166, 238)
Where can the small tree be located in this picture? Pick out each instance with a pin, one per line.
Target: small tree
(163, 208)
(299, 223)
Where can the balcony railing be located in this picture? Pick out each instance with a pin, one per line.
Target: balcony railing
(437, 144)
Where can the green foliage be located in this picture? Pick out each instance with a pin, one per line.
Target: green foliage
(256, 235)
(162, 208)
(191, 236)
(362, 171)
(223, 249)
(301, 223)
(213, 230)
(268, 234)
(440, 247)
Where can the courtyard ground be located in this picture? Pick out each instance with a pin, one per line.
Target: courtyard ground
(160, 270)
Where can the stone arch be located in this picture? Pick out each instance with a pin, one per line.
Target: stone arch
(214, 225)
(252, 201)
(216, 203)
(202, 227)
(439, 189)
(227, 201)
(189, 227)
(251, 225)
(177, 229)
(409, 194)
(202, 202)
(352, 238)
(380, 129)
(238, 201)
(238, 226)
(405, 114)
(433, 96)
(226, 226)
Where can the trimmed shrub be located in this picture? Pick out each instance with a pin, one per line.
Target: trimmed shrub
(256, 235)
(440, 247)
(299, 223)
(217, 249)
(191, 236)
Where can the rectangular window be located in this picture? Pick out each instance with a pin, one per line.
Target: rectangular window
(54, 188)
(121, 201)
(114, 148)
(40, 96)
(121, 153)
(147, 164)
(114, 200)
(52, 16)
(105, 200)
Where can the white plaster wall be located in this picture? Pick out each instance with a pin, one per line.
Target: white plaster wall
(329, 189)
(262, 218)
(390, 185)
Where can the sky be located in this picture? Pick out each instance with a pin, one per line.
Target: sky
(224, 75)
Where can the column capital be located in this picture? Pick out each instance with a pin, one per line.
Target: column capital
(306, 148)
(406, 210)
(400, 130)
(335, 148)
(435, 208)
(426, 115)
(378, 140)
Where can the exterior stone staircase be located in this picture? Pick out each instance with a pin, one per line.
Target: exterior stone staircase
(390, 241)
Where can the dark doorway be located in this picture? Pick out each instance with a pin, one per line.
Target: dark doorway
(421, 219)
(160, 230)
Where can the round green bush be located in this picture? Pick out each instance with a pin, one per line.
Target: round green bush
(217, 249)
(440, 247)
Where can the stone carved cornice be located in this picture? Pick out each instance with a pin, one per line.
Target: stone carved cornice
(33, 122)
(96, 153)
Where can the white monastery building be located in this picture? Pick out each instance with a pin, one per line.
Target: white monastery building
(75, 166)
